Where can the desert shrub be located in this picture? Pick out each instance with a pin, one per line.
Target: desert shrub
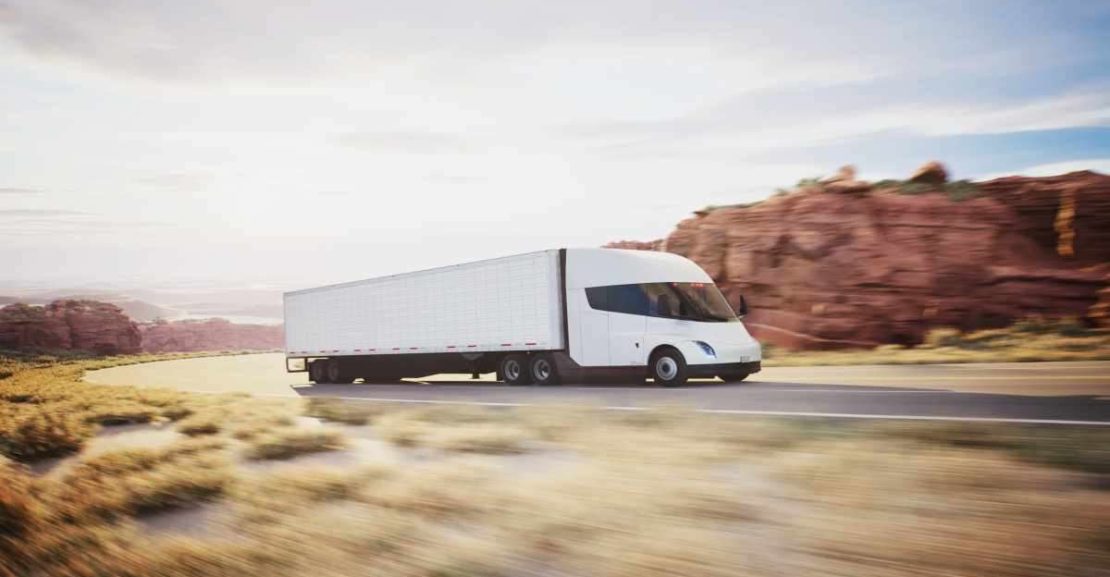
(961, 190)
(807, 182)
(1068, 327)
(199, 424)
(943, 337)
(18, 509)
(289, 443)
(915, 188)
(340, 411)
(1079, 448)
(30, 432)
(140, 480)
(483, 438)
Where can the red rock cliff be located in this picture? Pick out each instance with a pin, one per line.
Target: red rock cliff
(210, 335)
(69, 325)
(848, 263)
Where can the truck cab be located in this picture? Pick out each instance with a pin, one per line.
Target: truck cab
(655, 311)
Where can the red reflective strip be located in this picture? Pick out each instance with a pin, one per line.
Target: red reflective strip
(451, 346)
(358, 350)
(370, 350)
(471, 346)
(506, 344)
(413, 348)
(396, 348)
(530, 344)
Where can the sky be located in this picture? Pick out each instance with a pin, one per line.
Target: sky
(298, 143)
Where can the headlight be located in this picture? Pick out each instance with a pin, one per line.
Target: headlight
(705, 348)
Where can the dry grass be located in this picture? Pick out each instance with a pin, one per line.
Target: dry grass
(1026, 341)
(140, 481)
(286, 443)
(347, 412)
(662, 492)
(457, 428)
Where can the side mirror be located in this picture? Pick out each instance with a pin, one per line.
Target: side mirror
(741, 307)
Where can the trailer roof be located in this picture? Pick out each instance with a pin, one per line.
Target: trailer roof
(414, 272)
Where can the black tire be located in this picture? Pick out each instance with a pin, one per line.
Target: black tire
(318, 371)
(514, 369)
(667, 367)
(339, 374)
(542, 370)
(733, 378)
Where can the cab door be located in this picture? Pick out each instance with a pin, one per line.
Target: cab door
(628, 307)
(626, 339)
(591, 348)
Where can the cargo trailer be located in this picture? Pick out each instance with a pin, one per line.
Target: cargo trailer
(542, 317)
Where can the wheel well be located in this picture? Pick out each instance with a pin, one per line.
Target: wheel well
(662, 348)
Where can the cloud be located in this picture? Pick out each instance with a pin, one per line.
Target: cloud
(178, 181)
(754, 124)
(1054, 168)
(410, 142)
(38, 212)
(14, 191)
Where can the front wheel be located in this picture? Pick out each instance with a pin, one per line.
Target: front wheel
(668, 368)
(514, 369)
(733, 378)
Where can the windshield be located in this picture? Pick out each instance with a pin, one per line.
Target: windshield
(705, 301)
(674, 300)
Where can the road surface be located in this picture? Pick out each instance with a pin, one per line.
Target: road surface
(1076, 393)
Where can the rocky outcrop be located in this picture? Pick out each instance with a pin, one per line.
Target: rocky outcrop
(826, 268)
(1045, 207)
(931, 172)
(80, 325)
(210, 335)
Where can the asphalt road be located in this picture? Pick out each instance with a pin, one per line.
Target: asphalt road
(1077, 393)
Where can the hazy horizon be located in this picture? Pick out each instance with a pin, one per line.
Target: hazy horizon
(161, 144)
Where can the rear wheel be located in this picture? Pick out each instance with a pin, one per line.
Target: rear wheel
(514, 369)
(317, 371)
(542, 370)
(337, 373)
(668, 367)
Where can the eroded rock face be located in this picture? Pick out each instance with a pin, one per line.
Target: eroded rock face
(1037, 202)
(825, 270)
(81, 325)
(210, 335)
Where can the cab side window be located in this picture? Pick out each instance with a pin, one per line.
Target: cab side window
(630, 299)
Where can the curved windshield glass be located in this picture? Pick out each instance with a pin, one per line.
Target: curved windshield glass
(704, 301)
(674, 300)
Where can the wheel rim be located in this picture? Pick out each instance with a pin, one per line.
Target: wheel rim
(666, 368)
(541, 370)
(512, 370)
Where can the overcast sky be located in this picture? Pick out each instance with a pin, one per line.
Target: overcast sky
(298, 143)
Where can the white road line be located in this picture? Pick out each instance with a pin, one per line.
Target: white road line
(737, 412)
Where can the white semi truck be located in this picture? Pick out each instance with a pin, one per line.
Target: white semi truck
(541, 317)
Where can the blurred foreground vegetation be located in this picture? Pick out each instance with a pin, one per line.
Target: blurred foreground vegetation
(327, 487)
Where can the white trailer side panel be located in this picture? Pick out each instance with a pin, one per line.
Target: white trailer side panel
(509, 303)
